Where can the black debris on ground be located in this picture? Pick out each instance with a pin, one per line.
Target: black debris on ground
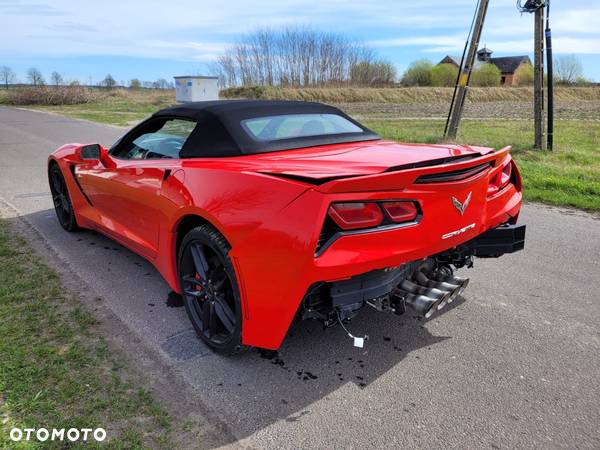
(174, 300)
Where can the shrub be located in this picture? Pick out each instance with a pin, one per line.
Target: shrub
(444, 75)
(487, 75)
(582, 81)
(254, 92)
(63, 95)
(418, 74)
(377, 73)
(524, 75)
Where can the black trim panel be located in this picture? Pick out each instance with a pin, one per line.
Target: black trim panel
(499, 241)
(87, 199)
(455, 175)
(434, 162)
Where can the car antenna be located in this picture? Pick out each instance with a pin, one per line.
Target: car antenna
(358, 341)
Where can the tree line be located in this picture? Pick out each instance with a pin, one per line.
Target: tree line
(301, 56)
(568, 70)
(35, 78)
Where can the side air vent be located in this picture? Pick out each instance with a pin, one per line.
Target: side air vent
(455, 175)
(87, 199)
(327, 232)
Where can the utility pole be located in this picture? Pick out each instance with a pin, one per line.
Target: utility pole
(458, 102)
(538, 79)
(550, 66)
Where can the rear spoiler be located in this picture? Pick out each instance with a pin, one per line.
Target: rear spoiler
(400, 179)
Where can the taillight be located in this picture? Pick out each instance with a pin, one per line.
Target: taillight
(352, 216)
(401, 212)
(500, 179)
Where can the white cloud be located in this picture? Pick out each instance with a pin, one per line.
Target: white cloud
(525, 46)
(420, 41)
(194, 30)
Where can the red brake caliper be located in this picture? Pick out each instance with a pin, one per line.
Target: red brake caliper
(198, 286)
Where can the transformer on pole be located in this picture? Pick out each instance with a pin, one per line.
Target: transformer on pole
(537, 7)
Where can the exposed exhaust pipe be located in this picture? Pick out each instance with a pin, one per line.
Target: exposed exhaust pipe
(421, 304)
(445, 274)
(462, 282)
(423, 280)
(453, 289)
(441, 296)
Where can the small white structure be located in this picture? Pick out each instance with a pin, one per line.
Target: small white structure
(196, 88)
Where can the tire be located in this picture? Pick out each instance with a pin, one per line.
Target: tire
(210, 290)
(62, 201)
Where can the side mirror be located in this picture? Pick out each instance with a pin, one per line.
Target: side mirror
(95, 152)
(92, 152)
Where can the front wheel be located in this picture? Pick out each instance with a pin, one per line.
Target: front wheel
(210, 290)
(62, 201)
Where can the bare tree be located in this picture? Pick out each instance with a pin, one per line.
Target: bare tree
(161, 83)
(35, 77)
(7, 76)
(108, 82)
(568, 69)
(376, 73)
(300, 56)
(56, 79)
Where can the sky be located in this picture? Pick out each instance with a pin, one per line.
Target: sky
(85, 40)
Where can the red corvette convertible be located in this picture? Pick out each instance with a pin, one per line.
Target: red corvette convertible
(258, 211)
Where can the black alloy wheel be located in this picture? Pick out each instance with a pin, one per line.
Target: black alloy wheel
(61, 199)
(210, 290)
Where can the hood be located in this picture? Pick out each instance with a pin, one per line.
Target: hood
(364, 158)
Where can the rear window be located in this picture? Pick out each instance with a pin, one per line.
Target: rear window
(290, 126)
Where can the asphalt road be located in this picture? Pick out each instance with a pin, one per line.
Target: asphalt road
(516, 363)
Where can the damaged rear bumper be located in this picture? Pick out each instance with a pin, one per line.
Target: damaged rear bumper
(493, 243)
(423, 285)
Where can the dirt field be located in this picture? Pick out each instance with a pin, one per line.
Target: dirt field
(576, 103)
(564, 110)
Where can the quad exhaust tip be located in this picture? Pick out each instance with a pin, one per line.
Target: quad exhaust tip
(441, 297)
(425, 295)
(421, 304)
(453, 289)
(461, 282)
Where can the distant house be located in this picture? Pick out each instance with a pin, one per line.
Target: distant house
(508, 65)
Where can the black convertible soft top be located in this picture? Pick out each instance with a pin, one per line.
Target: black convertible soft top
(219, 130)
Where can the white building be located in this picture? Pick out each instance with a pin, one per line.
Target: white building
(196, 88)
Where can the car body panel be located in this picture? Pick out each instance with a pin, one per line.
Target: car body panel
(272, 220)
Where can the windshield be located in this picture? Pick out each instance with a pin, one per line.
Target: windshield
(290, 126)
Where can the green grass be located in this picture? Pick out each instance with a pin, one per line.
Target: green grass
(56, 371)
(117, 107)
(567, 176)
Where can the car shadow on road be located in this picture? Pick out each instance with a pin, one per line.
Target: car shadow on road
(314, 363)
(254, 390)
